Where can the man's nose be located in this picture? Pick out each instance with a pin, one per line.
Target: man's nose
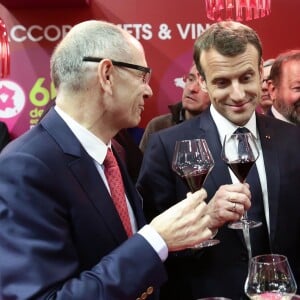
(237, 92)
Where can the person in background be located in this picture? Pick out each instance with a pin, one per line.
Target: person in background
(228, 56)
(265, 100)
(193, 102)
(4, 135)
(129, 151)
(284, 87)
(62, 235)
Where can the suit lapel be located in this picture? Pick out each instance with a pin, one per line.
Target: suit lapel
(88, 177)
(83, 168)
(268, 143)
(219, 174)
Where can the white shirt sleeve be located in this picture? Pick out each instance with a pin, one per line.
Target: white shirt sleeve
(155, 240)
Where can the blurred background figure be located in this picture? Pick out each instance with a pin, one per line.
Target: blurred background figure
(193, 102)
(265, 101)
(284, 87)
(4, 135)
(129, 151)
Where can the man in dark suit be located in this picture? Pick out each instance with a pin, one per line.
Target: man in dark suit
(228, 56)
(61, 235)
(4, 135)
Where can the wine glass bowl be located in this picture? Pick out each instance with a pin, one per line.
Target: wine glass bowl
(239, 152)
(192, 161)
(270, 277)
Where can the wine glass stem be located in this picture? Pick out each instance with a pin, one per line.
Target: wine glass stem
(244, 217)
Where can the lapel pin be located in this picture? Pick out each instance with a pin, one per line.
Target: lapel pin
(268, 137)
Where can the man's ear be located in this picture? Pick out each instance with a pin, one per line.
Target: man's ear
(261, 71)
(272, 90)
(202, 84)
(105, 74)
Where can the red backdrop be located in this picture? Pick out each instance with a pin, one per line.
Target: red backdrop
(167, 29)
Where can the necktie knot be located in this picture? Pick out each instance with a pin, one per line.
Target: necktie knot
(244, 149)
(242, 130)
(110, 160)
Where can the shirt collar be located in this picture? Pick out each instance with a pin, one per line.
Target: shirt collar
(96, 148)
(225, 127)
(279, 116)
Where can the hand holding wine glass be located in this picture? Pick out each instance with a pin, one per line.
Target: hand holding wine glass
(270, 277)
(240, 152)
(192, 161)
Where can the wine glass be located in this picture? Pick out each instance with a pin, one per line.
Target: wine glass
(192, 161)
(270, 277)
(240, 152)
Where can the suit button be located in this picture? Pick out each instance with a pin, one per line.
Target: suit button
(144, 296)
(150, 290)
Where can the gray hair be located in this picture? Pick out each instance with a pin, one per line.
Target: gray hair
(89, 38)
(229, 38)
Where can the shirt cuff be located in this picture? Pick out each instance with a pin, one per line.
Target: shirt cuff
(155, 240)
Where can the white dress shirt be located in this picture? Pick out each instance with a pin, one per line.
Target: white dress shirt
(97, 150)
(225, 127)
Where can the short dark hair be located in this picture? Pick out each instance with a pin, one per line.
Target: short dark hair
(276, 70)
(229, 38)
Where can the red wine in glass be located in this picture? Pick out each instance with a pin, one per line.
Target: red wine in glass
(240, 168)
(240, 152)
(196, 179)
(192, 161)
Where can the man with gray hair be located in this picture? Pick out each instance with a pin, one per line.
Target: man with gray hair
(71, 221)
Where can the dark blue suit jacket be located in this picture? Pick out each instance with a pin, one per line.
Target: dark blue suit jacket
(60, 234)
(221, 270)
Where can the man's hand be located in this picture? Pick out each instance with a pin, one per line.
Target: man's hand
(228, 204)
(184, 224)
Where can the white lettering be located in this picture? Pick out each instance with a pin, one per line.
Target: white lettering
(37, 33)
(56, 31)
(138, 30)
(31, 30)
(191, 30)
(14, 36)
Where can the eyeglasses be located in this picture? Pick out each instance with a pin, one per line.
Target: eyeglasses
(190, 79)
(147, 71)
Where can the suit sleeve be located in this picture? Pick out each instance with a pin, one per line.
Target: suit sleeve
(38, 257)
(156, 181)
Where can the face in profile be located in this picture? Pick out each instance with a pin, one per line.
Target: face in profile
(131, 90)
(265, 100)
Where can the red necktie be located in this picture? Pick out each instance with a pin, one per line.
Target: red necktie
(114, 179)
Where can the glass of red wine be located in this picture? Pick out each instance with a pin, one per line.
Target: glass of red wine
(240, 152)
(192, 161)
